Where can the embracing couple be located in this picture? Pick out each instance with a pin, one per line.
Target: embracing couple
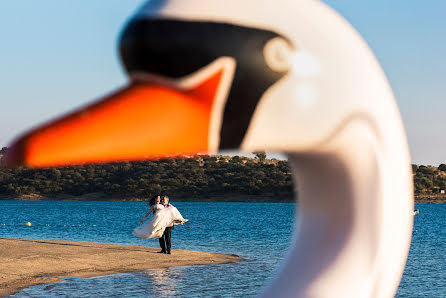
(161, 224)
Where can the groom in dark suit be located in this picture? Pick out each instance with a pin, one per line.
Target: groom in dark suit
(166, 239)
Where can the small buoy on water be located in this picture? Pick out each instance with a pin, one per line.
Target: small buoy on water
(28, 224)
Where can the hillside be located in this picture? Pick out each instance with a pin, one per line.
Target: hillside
(201, 178)
(197, 178)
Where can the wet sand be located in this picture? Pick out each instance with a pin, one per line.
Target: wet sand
(23, 261)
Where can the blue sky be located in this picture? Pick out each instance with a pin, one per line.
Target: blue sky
(56, 55)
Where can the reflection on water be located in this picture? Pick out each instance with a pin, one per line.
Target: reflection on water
(188, 281)
(162, 282)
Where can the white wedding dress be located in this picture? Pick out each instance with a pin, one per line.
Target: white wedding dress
(163, 217)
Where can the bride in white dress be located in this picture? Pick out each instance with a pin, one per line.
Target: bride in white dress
(162, 217)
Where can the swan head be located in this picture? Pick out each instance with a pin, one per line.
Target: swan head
(282, 76)
(287, 76)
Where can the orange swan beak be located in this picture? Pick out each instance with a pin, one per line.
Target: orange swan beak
(140, 121)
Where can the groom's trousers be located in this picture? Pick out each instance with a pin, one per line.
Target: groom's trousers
(165, 240)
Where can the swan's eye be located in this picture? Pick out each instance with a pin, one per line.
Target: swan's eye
(278, 54)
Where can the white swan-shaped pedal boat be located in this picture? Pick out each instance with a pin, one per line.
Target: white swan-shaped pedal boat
(286, 76)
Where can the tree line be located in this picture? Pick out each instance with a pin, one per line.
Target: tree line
(187, 177)
(192, 177)
(429, 179)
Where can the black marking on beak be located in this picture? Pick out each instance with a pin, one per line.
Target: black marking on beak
(174, 49)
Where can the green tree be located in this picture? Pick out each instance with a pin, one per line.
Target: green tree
(426, 170)
(427, 183)
(260, 155)
(236, 159)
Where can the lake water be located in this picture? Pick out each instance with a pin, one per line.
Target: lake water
(258, 232)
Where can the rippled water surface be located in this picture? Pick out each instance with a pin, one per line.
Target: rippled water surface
(259, 232)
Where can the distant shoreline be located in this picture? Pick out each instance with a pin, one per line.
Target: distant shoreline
(105, 197)
(419, 199)
(201, 178)
(430, 199)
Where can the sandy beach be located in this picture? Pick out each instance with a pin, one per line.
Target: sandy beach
(24, 261)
